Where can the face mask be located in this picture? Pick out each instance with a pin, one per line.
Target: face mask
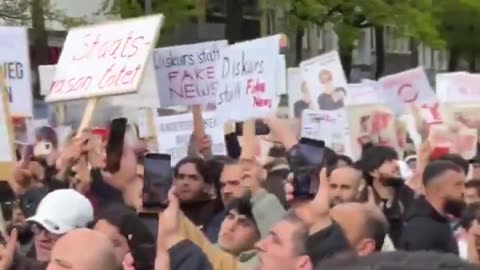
(454, 207)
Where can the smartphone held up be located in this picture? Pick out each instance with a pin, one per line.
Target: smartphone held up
(158, 179)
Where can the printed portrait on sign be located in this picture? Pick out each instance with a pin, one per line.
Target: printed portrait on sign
(467, 116)
(326, 81)
(372, 124)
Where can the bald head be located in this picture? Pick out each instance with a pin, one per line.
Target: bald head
(360, 223)
(345, 185)
(83, 249)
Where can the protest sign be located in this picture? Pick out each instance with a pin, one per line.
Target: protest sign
(7, 152)
(372, 123)
(405, 88)
(104, 59)
(46, 74)
(462, 140)
(174, 134)
(185, 75)
(247, 88)
(15, 61)
(366, 92)
(463, 115)
(458, 87)
(299, 98)
(327, 126)
(325, 81)
(281, 72)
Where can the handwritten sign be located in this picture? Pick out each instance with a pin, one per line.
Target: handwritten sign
(105, 59)
(367, 92)
(15, 62)
(174, 134)
(186, 74)
(327, 126)
(458, 87)
(248, 87)
(408, 87)
(462, 141)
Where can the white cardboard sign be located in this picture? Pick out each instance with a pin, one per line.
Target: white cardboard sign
(5, 146)
(15, 61)
(186, 74)
(105, 59)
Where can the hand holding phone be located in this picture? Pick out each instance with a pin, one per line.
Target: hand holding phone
(260, 128)
(158, 179)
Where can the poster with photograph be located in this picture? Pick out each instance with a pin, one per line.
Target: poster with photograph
(299, 98)
(375, 124)
(325, 81)
(461, 140)
(327, 126)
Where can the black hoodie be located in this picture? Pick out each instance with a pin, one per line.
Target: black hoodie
(427, 230)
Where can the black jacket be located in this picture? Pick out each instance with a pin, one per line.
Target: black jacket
(187, 256)
(426, 229)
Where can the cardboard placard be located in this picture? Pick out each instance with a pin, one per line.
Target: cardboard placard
(104, 59)
(7, 151)
(15, 61)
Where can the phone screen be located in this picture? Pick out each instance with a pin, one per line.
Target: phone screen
(306, 171)
(157, 180)
(115, 143)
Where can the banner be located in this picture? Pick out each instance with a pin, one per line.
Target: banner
(410, 87)
(247, 88)
(325, 81)
(186, 74)
(104, 59)
(173, 133)
(15, 62)
(327, 126)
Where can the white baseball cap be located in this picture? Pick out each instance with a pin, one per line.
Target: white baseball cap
(63, 210)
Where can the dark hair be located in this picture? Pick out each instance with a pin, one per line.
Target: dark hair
(471, 212)
(340, 89)
(373, 158)
(474, 183)
(345, 159)
(47, 134)
(300, 235)
(436, 168)
(215, 168)
(128, 224)
(377, 228)
(242, 206)
(398, 260)
(200, 166)
(458, 160)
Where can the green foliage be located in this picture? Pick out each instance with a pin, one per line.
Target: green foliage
(175, 11)
(414, 18)
(459, 24)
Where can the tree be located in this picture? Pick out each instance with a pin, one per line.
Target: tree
(175, 11)
(459, 25)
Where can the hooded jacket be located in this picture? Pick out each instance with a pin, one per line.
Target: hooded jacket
(427, 230)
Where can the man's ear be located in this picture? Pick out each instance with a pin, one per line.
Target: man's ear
(365, 247)
(304, 263)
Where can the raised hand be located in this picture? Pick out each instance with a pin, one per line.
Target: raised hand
(7, 250)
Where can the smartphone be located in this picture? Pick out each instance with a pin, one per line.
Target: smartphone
(306, 169)
(42, 149)
(260, 128)
(115, 143)
(158, 179)
(150, 219)
(144, 256)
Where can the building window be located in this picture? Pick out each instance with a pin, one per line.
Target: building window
(432, 59)
(395, 42)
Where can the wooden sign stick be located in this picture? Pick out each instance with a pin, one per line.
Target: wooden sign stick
(151, 127)
(88, 115)
(198, 125)
(249, 140)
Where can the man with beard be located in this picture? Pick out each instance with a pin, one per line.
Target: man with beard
(427, 224)
(382, 173)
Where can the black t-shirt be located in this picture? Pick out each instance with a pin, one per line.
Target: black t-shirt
(327, 243)
(326, 102)
(299, 107)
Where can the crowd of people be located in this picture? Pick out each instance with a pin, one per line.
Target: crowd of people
(69, 210)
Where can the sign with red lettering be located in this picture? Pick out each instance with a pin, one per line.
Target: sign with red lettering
(186, 74)
(105, 59)
(247, 88)
(15, 62)
(408, 87)
(458, 87)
